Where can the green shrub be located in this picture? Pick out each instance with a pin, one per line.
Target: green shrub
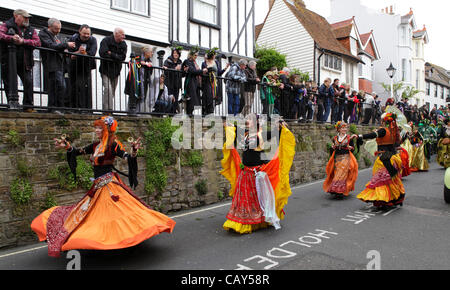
(158, 153)
(21, 191)
(202, 187)
(14, 138)
(65, 178)
(268, 58)
(49, 201)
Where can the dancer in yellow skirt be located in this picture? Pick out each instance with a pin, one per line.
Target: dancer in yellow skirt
(386, 187)
(260, 189)
(109, 216)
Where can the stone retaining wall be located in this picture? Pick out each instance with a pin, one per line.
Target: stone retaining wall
(28, 139)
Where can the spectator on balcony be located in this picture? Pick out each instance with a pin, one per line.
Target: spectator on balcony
(173, 79)
(164, 101)
(326, 94)
(17, 30)
(250, 86)
(54, 63)
(233, 86)
(114, 50)
(81, 67)
(146, 62)
(210, 82)
(192, 83)
(368, 107)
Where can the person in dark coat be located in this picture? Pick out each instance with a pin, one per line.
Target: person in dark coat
(209, 82)
(54, 63)
(114, 49)
(134, 86)
(192, 83)
(81, 67)
(17, 30)
(286, 93)
(250, 86)
(173, 79)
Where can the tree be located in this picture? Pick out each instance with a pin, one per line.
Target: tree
(397, 87)
(409, 92)
(303, 76)
(268, 58)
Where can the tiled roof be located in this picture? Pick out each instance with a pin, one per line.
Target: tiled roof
(320, 30)
(438, 74)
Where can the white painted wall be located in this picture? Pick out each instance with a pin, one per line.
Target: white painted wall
(295, 42)
(98, 14)
(386, 31)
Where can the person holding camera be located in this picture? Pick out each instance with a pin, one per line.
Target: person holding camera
(17, 30)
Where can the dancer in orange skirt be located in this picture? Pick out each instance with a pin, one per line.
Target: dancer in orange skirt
(386, 188)
(342, 169)
(110, 216)
(260, 189)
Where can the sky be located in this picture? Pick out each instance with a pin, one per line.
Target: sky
(433, 13)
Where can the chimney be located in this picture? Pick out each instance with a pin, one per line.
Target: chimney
(392, 9)
(299, 4)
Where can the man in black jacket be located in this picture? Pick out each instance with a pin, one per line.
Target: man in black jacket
(17, 30)
(250, 87)
(114, 50)
(81, 67)
(53, 62)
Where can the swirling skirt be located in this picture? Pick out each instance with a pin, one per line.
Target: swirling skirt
(342, 172)
(245, 214)
(112, 218)
(383, 190)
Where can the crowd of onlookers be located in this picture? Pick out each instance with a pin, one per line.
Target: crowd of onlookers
(182, 86)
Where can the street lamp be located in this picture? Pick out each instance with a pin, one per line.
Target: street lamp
(391, 70)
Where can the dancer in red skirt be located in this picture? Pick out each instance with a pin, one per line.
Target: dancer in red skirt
(260, 189)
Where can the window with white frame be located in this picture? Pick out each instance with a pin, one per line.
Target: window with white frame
(134, 6)
(428, 89)
(205, 11)
(333, 62)
(418, 79)
(404, 69)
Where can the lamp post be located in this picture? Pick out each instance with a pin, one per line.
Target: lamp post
(391, 70)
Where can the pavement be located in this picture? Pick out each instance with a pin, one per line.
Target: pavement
(319, 233)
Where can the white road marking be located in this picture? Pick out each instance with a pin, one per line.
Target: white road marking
(22, 252)
(177, 216)
(391, 211)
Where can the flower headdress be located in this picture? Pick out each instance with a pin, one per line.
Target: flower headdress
(109, 125)
(212, 52)
(389, 117)
(194, 50)
(339, 125)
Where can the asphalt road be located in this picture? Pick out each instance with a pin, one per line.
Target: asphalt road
(318, 233)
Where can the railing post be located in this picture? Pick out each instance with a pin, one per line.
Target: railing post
(161, 54)
(13, 92)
